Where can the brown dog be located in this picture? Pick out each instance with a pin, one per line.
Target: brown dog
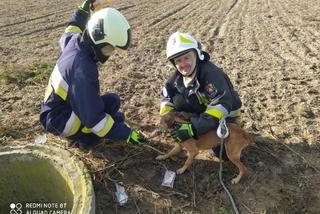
(237, 140)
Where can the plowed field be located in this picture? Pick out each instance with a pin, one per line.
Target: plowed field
(271, 51)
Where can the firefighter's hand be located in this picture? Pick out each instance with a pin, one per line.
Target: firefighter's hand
(136, 138)
(94, 5)
(182, 132)
(87, 5)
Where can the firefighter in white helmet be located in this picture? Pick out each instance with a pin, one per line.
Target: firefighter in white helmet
(198, 87)
(72, 106)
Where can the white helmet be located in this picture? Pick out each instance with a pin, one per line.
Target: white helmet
(108, 25)
(179, 43)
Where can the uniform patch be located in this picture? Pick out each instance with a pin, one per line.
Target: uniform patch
(211, 90)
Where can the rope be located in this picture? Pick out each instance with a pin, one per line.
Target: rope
(223, 132)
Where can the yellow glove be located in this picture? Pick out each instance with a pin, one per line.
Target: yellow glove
(136, 138)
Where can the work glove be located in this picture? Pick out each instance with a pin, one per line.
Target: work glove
(182, 132)
(94, 5)
(136, 138)
(87, 5)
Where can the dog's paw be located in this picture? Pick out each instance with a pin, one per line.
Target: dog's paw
(161, 157)
(236, 180)
(180, 171)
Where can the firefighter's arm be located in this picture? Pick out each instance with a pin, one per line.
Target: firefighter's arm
(219, 105)
(85, 100)
(80, 18)
(166, 104)
(167, 93)
(78, 22)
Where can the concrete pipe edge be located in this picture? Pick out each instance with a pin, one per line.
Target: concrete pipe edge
(70, 168)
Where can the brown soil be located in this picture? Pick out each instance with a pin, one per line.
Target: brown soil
(270, 49)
